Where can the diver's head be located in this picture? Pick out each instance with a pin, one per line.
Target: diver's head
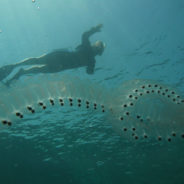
(98, 47)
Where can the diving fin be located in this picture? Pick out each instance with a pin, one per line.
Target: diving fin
(5, 71)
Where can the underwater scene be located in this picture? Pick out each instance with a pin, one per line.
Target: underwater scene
(91, 92)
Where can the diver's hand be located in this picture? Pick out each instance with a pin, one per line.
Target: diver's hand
(95, 29)
(98, 28)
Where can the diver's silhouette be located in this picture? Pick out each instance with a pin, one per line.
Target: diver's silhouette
(59, 60)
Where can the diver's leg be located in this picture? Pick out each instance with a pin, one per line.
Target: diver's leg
(33, 61)
(6, 70)
(34, 70)
(28, 61)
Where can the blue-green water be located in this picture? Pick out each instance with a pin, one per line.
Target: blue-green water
(144, 40)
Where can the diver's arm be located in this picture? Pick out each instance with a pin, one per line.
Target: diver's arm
(87, 34)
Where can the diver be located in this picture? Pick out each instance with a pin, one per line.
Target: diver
(59, 60)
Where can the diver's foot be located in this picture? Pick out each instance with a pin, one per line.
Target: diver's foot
(16, 77)
(7, 83)
(5, 71)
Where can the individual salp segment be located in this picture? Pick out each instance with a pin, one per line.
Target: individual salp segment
(79, 102)
(130, 96)
(169, 139)
(135, 97)
(125, 129)
(133, 129)
(121, 118)
(159, 138)
(5, 122)
(60, 100)
(51, 101)
(103, 108)
(41, 104)
(29, 108)
(87, 104)
(125, 105)
(138, 116)
(174, 134)
(9, 123)
(131, 104)
(70, 100)
(18, 114)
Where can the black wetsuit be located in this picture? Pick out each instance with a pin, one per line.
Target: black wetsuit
(58, 60)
